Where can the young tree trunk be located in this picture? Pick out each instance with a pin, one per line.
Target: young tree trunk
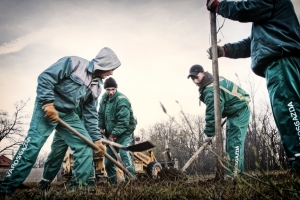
(219, 139)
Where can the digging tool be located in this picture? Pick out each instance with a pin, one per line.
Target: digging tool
(114, 151)
(143, 146)
(95, 147)
(187, 164)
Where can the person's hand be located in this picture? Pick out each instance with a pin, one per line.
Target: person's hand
(51, 112)
(112, 137)
(102, 148)
(208, 139)
(212, 5)
(102, 131)
(221, 51)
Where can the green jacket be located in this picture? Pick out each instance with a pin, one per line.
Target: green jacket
(275, 31)
(116, 115)
(232, 99)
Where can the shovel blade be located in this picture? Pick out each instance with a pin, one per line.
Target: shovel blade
(143, 146)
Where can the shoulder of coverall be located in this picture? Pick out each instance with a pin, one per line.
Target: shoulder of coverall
(123, 100)
(233, 89)
(83, 71)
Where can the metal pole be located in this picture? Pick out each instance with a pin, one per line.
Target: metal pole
(218, 130)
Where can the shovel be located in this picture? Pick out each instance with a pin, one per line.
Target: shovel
(95, 147)
(187, 164)
(143, 146)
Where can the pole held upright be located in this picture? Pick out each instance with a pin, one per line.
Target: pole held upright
(216, 85)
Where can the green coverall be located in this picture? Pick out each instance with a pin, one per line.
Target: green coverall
(66, 83)
(116, 116)
(233, 105)
(55, 159)
(274, 48)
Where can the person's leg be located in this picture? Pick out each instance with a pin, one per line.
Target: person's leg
(283, 83)
(236, 130)
(83, 153)
(25, 158)
(54, 160)
(110, 167)
(126, 157)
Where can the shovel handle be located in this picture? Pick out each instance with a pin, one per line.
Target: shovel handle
(95, 147)
(187, 164)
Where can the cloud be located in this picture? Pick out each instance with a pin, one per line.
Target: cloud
(23, 41)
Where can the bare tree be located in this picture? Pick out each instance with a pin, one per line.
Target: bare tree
(11, 129)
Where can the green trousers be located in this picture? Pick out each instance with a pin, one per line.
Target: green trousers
(39, 131)
(54, 160)
(126, 158)
(283, 83)
(236, 130)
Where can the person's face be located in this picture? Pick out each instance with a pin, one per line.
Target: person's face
(111, 91)
(197, 79)
(103, 74)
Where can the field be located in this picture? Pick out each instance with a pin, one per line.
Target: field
(275, 186)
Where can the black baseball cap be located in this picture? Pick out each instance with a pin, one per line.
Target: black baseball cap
(195, 70)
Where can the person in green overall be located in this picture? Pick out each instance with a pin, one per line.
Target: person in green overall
(60, 90)
(233, 105)
(116, 119)
(58, 151)
(274, 48)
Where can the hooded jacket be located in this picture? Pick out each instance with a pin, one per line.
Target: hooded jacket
(69, 83)
(232, 99)
(116, 116)
(275, 31)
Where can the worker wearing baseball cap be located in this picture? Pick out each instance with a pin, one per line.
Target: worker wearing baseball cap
(233, 105)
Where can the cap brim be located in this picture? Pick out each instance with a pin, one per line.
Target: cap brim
(193, 74)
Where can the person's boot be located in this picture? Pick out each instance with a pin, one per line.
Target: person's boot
(294, 167)
(44, 185)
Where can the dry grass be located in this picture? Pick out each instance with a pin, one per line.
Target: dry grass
(276, 186)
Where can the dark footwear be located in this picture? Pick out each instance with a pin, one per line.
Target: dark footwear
(44, 185)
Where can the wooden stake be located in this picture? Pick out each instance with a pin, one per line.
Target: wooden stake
(218, 129)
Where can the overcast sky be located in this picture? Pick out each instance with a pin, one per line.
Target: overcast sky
(157, 41)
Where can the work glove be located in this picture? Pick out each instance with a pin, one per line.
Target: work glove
(51, 112)
(222, 52)
(112, 137)
(212, 5)
(208, 139)
(101, 146)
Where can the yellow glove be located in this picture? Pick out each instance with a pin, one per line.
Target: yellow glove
(101, 146)
(51, 112)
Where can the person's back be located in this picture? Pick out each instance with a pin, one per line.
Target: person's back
(275, 30)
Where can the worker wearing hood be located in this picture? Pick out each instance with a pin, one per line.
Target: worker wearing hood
(68, 83)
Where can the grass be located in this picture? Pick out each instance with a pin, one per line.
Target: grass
(275, 186)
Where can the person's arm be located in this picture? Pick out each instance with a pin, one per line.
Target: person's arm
(247, 11)
(50, 77)
(240, 49)
(122, 117)
(101, 113)
(209, 129)
(90, 119)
